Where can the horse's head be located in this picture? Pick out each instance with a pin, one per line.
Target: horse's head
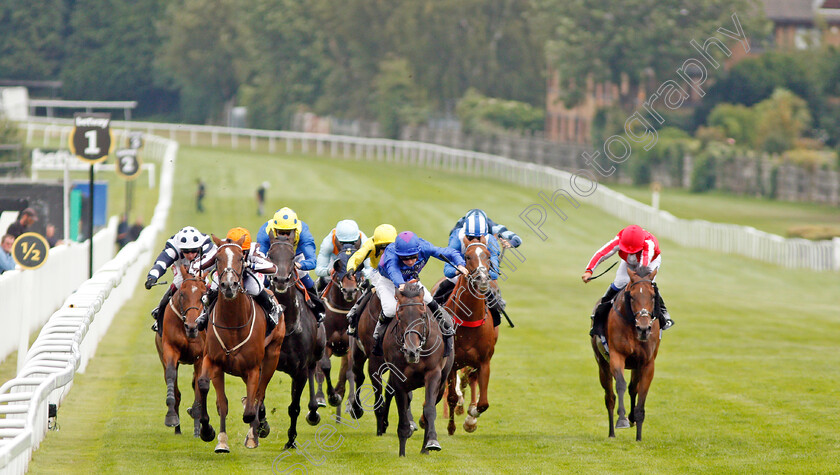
(412, 324)
(187, 301)
(230, 265)
(477, 258)
(282, 254)
(642, 299)
(348, 283)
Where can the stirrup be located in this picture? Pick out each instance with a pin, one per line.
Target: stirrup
(668, 324)
(154, 327)
(351, 330)
(155, 312)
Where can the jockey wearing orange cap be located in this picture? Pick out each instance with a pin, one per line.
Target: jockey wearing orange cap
(639, 251)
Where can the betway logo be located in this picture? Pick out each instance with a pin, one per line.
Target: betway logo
(98, 122)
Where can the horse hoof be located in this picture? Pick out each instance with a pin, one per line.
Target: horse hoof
(264, 429)
(172, 420)
(622, 423)
(313, 418)
(207, 433)
(432, 444)
(320, 401)
(451, 428)
(413, 426)
(178, 429)
(422, 422)
(289, 445)
(222, 446)
(251, 442)
(470, 424)
(356, 412)
(473, 411)
(335, 400)
(459, 409)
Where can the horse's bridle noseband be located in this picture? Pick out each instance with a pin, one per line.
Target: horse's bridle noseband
(292, 247)
(644, 312)
(474, 273)
(224, 271)
(422, 335)
(182, 313)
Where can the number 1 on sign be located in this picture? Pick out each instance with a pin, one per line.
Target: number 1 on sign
(92, 148)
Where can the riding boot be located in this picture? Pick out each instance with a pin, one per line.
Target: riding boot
(157, 312)
(661, 311)
(316, 304)
(497, 305)
(271, 308)
(353, 314)
(443, 291)
(379, 333)
(599, 316)
(447, 327)
(208, 300)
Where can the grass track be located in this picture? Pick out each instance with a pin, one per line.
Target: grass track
(744, 382)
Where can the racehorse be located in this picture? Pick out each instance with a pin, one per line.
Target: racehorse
(339, 296)
(413, 349)
(633, 341)
(305, 341)
(475, 337)
(181, 342)
(236, 344)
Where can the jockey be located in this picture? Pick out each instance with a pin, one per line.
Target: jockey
(639, 251)
(473, 230)
(346, 232)
(285, 221)
(188, 247)
(401, 262)
(252, 283)
(497, 230)
(368, 255)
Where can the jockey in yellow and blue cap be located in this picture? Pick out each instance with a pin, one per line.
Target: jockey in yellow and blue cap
(286, 221)
(368, 256)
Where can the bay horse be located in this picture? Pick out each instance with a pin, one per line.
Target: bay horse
(236, 344)
(181, 342)
(413, 349)
(475, 336)
(632, 334)
(305, 340)
(339, 296)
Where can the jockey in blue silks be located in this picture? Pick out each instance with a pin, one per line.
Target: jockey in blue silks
(285, 221)
(402, 262)
(474, 227)
(497, 230)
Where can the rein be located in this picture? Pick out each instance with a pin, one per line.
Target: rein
(252, 320)
(422, 335)
(628, 297)
(183, 314)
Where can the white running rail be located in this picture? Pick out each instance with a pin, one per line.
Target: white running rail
(70, 337)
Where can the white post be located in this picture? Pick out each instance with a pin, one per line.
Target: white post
(67, 199)
(836, 263)
(23, 329)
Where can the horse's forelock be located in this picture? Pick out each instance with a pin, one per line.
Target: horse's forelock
(412, 289)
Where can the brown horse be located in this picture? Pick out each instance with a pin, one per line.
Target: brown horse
(181, 342)
(633, 341)
(236, 344)
(413, 349)
(339, 296)
(305, 341)
(475, 337)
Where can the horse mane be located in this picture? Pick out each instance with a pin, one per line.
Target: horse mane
(412, 289)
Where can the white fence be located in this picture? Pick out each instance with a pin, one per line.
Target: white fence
(70, 337)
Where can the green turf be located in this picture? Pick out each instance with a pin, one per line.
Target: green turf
(745, 382)
(776, 217)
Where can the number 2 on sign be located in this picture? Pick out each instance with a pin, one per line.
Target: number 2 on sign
(30, 251)
(92, 148)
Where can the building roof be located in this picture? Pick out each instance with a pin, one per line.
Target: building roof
(789, 11)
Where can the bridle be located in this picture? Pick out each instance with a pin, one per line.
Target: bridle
(481, 269)
(292, 270)
(182, 313)
(230, 269)
(628, 291)
(403, 333)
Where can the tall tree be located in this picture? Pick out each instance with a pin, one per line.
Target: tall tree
(32, 39)
(202, 55)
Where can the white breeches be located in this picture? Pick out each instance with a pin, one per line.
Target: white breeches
(252, 282)
(622, 278)
(386, 290)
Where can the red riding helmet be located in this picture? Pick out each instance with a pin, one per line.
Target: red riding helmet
(631, 239)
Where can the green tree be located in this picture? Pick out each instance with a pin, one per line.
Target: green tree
(202, 55)
(398, 99)
(782, 120)
(736, 121)
(640, 41)
(32, 39)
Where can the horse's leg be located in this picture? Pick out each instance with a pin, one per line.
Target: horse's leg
(357, 363)
(222, 407)
(644, 385)
(326, 370)
(410, 416)
(606, 382)
(430, 441)
(194, 410)
(170, 376)
(319, 377)
(382, 403)
(249, 415)
(267, 368)
(617, 370)
(403, 428)
(461, 381)
(177, 401)
(312, 418)
(452, 400)
(340, 386)
(207, 432)
(298, 384)
(632, 390)
(470, 377)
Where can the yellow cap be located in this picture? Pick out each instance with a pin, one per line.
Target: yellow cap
(384, 234)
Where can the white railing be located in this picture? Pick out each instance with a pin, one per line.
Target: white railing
(728, 238)
(70, 337)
